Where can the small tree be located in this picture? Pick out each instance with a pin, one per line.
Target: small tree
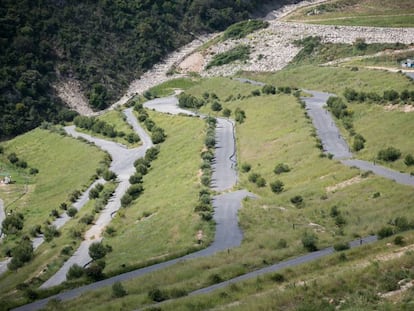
(12, 223)
(390, 154)
(409, 160)
(215, 106)
(97, 250)
(281, 168)
(72, 211)
(75, 272)
(309, 241)
(118, 290)
(277, 186)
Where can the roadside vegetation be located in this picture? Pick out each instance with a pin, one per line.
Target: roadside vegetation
(238, 53)
(312, 212)
(111, 126)
(377, 13)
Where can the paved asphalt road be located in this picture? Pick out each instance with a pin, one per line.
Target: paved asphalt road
(334, 143)
(327, 131)
(123, 165)
(224, 167)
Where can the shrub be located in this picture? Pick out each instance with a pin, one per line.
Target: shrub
(240, 115)
(277, 186)
(108, 175)
(33, 171)
(97, 250)
(54, 213)
(281, 243)
(409, 160)
(226, 112)
(110, 231)
(75, 272)
(72, 212)
(309, 241)
(253, 177)
(155, 294)
(22, 253)
(94, 270)
(256, 92)
(341, 246)
(135, 179)
(12, 223)
(215, 106)
(399, 240)
(281, 168)
(385, 232)
(268, 89)
(261, 182)
(86, 219)
(66, 250)
(12, 157)
(126, 200)
(35, 230)
(118, 290)
(297, 200)
(93, 194)
(74, 196)
(277, 277)
(135, 190)
(245, 167)
(390, 154)
(50, 232)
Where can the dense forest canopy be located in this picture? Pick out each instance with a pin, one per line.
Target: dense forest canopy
(102, 43)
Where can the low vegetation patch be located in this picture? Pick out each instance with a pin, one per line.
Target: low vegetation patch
(238, 53)
(242, 29)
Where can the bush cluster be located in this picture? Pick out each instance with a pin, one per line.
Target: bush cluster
(157, 134)
(204, 206)
(392, 96)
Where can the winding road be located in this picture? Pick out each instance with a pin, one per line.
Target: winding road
(228, 233)
(226, 205)
(123, 165)
(335, 144)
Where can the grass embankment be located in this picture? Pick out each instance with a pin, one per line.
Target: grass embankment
(376, 13)
(162, 221)
(168, 88)
(117, 120)
(390, 60)
(275, 131)
(335, 80)
(65, 164)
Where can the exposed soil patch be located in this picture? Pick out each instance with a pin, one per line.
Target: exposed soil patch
(402, 108)
(344, 184)
(193, 63)
(69, 90)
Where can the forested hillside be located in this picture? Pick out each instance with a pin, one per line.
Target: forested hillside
(102, 43)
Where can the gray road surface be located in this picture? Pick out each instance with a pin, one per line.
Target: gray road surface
(327, 131)
(224, 167)
(228, 235)
(167, 105)
(244, 80)
(281, 265)
(410, 74)
(123, 165)
(401, 178)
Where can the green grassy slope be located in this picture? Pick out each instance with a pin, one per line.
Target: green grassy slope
(377, 13)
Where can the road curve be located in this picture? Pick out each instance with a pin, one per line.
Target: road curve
(123, 165)
(326, 128)
(226, 206)
(228, 235)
